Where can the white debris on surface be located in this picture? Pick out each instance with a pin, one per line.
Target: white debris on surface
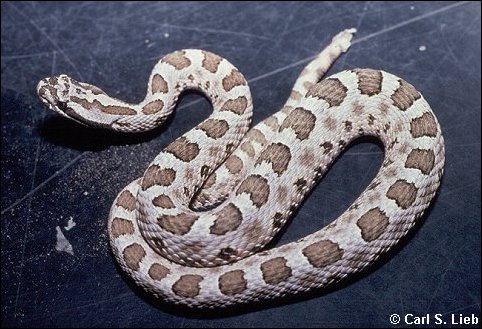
(70, 224)
(166, 35)
(86, 193)
(422, 48)
(412, 7)
(62, 243)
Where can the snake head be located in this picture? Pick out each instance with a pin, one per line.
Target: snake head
(69, 98)
(55, 92)
(89, 105)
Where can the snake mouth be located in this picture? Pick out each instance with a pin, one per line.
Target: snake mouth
(48, 94)
(54, 93)
(51, 96)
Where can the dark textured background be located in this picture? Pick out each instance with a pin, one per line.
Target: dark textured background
(53, 169)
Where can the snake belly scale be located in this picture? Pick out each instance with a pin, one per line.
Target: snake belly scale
(192, 229)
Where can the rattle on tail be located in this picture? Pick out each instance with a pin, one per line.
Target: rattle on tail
(191, 229)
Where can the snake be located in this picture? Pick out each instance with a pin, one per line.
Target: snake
(193, 230)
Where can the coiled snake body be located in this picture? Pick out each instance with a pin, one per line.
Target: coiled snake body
(191, 229)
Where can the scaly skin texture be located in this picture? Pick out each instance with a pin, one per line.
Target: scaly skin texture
(190, 230)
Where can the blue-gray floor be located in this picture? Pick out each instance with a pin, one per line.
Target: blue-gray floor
(54, 170)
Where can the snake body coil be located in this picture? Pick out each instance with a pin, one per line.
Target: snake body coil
(190, 230)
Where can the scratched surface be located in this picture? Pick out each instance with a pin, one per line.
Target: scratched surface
(54, 171)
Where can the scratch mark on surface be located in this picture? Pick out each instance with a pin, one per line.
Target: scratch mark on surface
(27, 217)
(204, 30)
(400, 295)
(338, 17)
(410, 21)
(20, 56)
(39, 186)
(362, 39)
(463, 144)
(447, 46)
(462, 308)
(96, 64)
(95, 303)
(461, 187)
(442, 278)
(52, 41)
(362, 17)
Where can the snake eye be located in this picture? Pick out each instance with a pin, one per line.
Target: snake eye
(62, 106)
